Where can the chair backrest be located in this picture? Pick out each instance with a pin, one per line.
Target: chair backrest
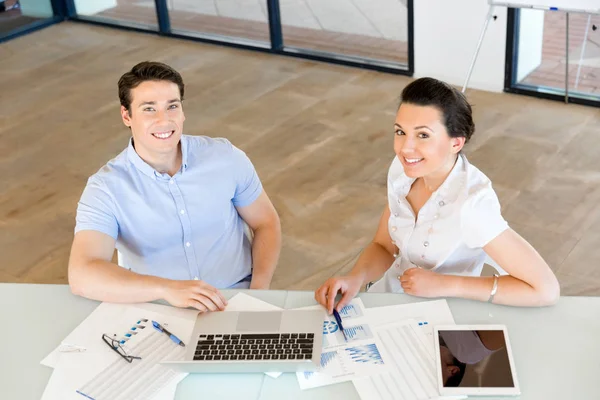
(491, 267)
(120, 261)
(248, 232)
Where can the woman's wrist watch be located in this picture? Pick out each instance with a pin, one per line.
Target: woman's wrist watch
(494, 288)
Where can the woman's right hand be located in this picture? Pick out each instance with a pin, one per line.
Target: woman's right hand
(348, 285)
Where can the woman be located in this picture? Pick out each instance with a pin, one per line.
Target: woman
(442, 217)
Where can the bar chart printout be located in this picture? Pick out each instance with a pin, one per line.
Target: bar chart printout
(343, 360)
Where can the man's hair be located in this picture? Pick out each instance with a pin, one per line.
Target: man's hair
(456, 379)
(146, 71)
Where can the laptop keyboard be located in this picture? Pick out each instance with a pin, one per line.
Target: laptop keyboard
(263, 346)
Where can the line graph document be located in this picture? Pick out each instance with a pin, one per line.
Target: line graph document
(411, 374)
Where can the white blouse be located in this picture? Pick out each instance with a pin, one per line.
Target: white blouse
(460, 217)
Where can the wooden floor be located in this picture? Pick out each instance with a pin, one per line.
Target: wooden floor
(320, 136)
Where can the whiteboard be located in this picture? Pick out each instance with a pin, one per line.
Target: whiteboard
(585, 6)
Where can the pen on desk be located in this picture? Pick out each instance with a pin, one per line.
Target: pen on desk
(174, 338)
(339, 322)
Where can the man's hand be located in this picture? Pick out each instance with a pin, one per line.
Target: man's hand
(422, 282)
(196, 294)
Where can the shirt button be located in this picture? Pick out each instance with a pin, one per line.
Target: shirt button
(399, 200)
(441, 203)
(436, 216)
(171, 181)
(396, 214)
(394, 229)
(182, 212)
(425, 243)
(422, 256)
(188, 244)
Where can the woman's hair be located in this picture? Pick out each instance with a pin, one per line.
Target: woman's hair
(457, 113)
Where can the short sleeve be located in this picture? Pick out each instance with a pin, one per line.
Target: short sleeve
(247, 186)
(95, 210)
(482, 219)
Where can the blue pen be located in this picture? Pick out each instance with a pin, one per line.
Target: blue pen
(339, 322)
(174, 338)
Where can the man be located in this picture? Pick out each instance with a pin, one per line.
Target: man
(175, 206)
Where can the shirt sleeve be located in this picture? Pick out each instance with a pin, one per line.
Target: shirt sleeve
(248, 186)
(482, 219)
(95, 210)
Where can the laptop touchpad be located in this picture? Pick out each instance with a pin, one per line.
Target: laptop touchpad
(259, 322)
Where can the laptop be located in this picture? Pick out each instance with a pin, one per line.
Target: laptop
(244, 342)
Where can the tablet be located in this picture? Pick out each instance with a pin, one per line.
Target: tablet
(474, 360)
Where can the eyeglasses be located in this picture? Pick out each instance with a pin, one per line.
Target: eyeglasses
(116, 346)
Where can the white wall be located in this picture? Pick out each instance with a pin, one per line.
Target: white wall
(531, 40)
(445, 37)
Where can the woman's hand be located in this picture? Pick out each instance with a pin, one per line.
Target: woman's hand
(349, 286)
(424, 283)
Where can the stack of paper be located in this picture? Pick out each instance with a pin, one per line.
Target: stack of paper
(394, 358)
(73, 369)
(343, 360)
(142, 379)
(81, 357)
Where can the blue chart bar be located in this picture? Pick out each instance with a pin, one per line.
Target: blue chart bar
(326, 358)
(350, 311)
(358, 332)
(368, 354)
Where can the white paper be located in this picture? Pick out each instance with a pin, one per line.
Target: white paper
(340, 360)
(73, 369)
(106, 318)
(141, 379)
(412, 374)
(426, 313)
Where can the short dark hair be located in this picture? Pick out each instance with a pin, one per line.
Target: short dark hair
(456, 110)
(456, 379)
(146, 71)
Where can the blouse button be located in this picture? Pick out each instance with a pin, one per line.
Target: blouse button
(396, 214)
(426, 243)
(441, 203)
(394, 229)
(399, 200)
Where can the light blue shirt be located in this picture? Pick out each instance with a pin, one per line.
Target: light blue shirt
(180, 227)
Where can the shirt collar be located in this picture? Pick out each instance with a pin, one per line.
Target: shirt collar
(449, 189)
(146, 169)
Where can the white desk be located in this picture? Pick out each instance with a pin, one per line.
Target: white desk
(557, 349)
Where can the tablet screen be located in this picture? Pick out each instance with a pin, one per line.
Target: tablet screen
(474, 359)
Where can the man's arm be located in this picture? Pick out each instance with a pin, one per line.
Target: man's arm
(262, 218)
(93, 275)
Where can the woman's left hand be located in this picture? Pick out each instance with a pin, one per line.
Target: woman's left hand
(422, 282)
